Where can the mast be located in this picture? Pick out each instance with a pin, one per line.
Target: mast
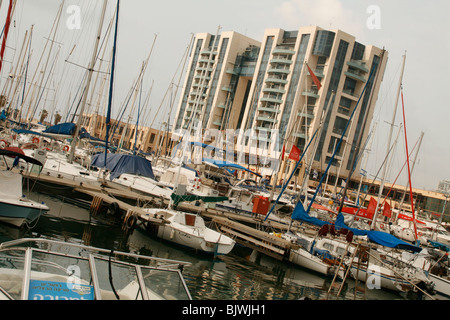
(388, 145)
(108, 112)
(88, 82)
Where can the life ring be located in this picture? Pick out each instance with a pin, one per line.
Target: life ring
(36, 140)
(66, 148)
(381, 226)
(131, 222)
(114, 209)
(3, 144)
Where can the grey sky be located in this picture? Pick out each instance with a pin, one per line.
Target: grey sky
(418, 27)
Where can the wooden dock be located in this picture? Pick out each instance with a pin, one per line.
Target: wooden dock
(260, 241)
(246, 230)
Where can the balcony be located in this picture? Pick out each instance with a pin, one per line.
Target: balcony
(306, 115)
(267, 119)
(311, 93)
(274, 90)
(276, 80)
(232, 71)
(283, 51)
(354, 75)
(208, 52)
(299, 135)
(280, 61)
(274, 100)
(358, 64)
(268, 109)
(278, 70)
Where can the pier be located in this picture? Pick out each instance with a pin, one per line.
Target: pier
(122, 203)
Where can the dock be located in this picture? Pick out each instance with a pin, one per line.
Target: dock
(260, 241)
(123, 203)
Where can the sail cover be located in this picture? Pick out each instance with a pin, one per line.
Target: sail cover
(225, 164)
(67, 128)
(300, 214)
(123, 163)
(380, 237)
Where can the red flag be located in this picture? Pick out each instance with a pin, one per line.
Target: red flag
(282, 152)
(314, 78)
(371, 208)
(8, 22)
(295, 153)
(387, 210)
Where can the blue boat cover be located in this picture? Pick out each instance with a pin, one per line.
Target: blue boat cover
(439, 245)
(382, 238)
(123, 163)
(67, 128)
(225, 164)
(300, 214)
(85, 135)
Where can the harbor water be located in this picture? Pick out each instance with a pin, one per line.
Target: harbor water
(240, 275)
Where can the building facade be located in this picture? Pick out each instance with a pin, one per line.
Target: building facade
(278, 92)
(218, 76)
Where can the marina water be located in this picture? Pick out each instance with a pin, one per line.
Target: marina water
(240, 275)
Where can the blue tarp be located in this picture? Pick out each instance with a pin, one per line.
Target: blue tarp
(382, 238)
(225, 164)
(300, 214)
(85, 135)
(439, 245)
(123, 163)
(67, 128)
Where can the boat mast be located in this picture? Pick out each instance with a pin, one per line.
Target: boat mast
(88, 82)
(111, 84)
(388, 145)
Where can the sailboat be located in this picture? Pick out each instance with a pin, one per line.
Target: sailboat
(16, 209)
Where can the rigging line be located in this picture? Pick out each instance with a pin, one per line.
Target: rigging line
(409, 169)
(340, 140)
(404, 164)
(292, 173)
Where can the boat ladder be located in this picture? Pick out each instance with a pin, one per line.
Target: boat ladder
(335, 285)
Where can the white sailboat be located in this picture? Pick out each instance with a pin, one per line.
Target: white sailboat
(188, 230)
(16, 209)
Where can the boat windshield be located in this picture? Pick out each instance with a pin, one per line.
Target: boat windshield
(53, 270)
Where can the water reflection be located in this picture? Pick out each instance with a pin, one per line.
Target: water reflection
(241, 275)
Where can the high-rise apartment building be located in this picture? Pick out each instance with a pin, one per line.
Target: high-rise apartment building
(214, 93)
(301, 82)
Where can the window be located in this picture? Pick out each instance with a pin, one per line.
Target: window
(152, 138)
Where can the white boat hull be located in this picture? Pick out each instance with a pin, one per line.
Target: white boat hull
(306, 260)
(172, 234)
(442, 286)
(383, 278)
(189, 230)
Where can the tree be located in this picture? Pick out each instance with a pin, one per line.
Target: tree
(44, 114)
(57, 118)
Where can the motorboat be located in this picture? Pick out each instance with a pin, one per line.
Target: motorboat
(15, 208)
(185, 229)
(46, 269)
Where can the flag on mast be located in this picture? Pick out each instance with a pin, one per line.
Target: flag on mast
(314, 78)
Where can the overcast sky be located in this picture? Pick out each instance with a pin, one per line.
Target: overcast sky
(419, 28)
